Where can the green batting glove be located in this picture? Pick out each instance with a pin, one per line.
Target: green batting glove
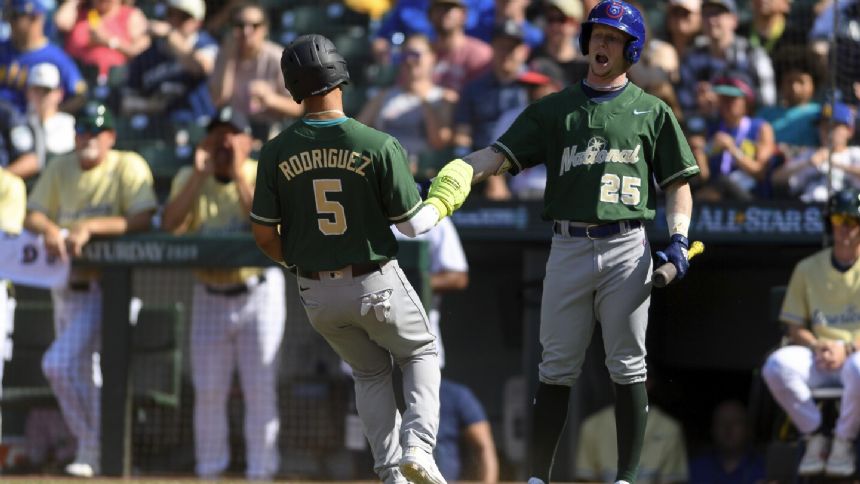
(451, 187)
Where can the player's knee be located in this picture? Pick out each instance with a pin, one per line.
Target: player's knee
(380, 370)
(773, 369)
(851, 373)
(55, 366)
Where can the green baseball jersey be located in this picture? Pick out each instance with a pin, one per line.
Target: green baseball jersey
(602, 159)
(335, 191)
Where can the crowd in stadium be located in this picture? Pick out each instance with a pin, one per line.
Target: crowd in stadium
(767, 114)
(751, 87)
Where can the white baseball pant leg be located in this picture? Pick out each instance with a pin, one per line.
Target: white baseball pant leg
(257, 347)
(70, 367)
(244, 331)
(790, 374)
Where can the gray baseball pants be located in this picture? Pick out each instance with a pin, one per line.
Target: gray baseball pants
(368, 320)
(588, 280)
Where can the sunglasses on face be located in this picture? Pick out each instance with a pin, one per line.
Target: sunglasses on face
(556, 19)
(243, 25)
(846, 220)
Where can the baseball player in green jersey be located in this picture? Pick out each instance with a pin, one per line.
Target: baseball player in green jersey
(605, 144)
(328, 190)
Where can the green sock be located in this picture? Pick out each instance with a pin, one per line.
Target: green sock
(631, 416)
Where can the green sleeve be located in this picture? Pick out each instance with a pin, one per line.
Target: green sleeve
(673, 159)
(266, 208)
(520, 142)
(400, 197)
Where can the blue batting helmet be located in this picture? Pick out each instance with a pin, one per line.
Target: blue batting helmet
(619, 15)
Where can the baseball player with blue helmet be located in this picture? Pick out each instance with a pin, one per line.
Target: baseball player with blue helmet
(605, 144)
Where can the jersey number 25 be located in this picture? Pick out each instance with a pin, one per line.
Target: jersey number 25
(333, 218)
(629, 188)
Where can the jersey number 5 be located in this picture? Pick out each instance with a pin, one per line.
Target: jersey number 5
(610, 183)
(333, 220)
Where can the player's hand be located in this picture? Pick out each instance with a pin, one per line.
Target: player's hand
(78, 237)
(55, 243)
(830, 355)
(676, 253)
(451, 187)
(203, 160)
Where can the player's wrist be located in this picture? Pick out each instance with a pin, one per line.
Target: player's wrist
(440, 206)
(681, 239)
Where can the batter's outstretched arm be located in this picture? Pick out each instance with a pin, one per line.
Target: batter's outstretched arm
(454, 182)
(485, 163)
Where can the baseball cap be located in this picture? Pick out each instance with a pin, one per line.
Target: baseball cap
(689, 5)
(838, 113)
(570, 8)
(44, 75)
(195, 8)
(229, 116)
(509, 28)
(734, 84)
(94, 117)
(728, 5)
(30, 7)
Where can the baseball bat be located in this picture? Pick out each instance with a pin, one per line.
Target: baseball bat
(667, 272)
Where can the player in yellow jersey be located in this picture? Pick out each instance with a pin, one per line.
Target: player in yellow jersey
(237, 320)
(13, 206)
(821, 314)
(94, 190)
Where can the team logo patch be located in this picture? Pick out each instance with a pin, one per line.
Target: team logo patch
(595, 145)
(615, 10)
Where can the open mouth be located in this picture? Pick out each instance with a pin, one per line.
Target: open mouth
(601, 59)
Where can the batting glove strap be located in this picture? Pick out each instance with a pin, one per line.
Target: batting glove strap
(452, 185)
(676, 253)
(444, 210)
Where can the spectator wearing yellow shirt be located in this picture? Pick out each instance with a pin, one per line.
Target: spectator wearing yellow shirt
(664, 457)
(93, 191)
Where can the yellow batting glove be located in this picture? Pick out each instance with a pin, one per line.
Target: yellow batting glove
(450, 187)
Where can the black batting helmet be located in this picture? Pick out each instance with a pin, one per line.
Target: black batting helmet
(312, 65)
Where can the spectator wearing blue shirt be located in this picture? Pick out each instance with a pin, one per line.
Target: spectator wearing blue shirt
(484, 100)
(28, 46)
(732, 460)
(410, 17)
(171, 75)
(462, 420)
(724, 50)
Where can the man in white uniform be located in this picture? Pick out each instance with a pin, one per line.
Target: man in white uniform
(237, 320)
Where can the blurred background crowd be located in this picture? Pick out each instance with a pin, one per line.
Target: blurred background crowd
(752, 83)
